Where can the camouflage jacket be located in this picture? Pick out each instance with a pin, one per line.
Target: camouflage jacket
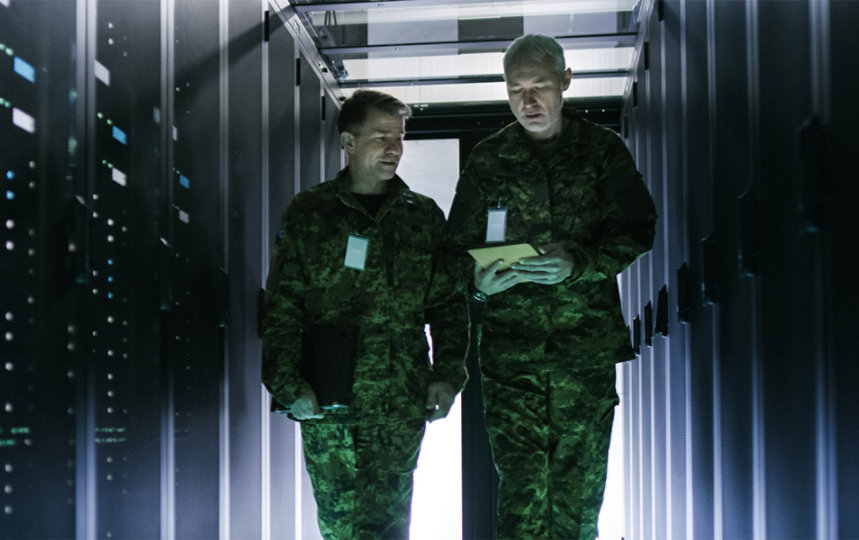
(389, 301)
(588, 197)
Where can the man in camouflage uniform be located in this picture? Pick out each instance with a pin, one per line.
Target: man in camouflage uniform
(360, 459)
(552, 328)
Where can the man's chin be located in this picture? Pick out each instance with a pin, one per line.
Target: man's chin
(387, 172)
(536, 123)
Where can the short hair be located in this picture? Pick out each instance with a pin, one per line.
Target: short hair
(534, 48)
(354, 110)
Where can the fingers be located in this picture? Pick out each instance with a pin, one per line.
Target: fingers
(441, 408)
(489, 270)
(440, 398)
(306, 408)
(307, 414)
(493, 280)
(439, 413)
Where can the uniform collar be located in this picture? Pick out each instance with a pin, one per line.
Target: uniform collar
(397, 189)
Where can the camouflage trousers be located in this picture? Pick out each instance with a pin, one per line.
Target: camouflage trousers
(362, 476)
(550, 434)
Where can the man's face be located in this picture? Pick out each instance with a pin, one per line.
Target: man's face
(376, 148)
(534, 92)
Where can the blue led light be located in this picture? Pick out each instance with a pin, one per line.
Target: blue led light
(110, 296)
(110, 279)
(10, 195)
(184, 181)
(25, 70)
(120, 135)
(10, 175)
(110, 262)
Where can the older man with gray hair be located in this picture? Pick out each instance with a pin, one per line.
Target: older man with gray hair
(552, 326)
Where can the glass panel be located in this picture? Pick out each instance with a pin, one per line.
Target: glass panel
(446, 51)
(423, 23)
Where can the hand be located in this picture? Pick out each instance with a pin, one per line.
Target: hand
(306, 407)
(553, 266)
(439, 399)
(492, 279)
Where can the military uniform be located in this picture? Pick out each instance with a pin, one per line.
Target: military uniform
(361, 459)
(547, 353)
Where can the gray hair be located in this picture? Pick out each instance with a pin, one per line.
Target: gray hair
(534, 48)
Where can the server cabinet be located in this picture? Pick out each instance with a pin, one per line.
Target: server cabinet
(121, 152)
(136, 223)
(841, 375)
(751, 175)
(195, 343)
(283, 183)
(311, 145)
(332, 150)
(41, 256)
(787, 297)
(244, 401)
(733, 387)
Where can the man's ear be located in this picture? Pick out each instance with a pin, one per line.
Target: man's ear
(565, 80)
(348, 141)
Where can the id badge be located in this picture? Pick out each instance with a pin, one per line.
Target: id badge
(356, 252)
(496, 224)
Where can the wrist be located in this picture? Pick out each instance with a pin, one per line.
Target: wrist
(477, 295)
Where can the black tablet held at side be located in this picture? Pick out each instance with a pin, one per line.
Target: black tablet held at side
(328, 362)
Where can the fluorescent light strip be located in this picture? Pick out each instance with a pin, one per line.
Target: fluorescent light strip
(476, 64)
(483, 92)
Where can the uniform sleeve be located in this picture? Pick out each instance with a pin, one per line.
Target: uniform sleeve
(446, 312)
(466, 226)
(627, 218)
(282, 317)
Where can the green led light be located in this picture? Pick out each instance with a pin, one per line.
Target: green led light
(110, 430)
(9, 51)
(19, 430)
(100, 116)
(7, 442)
(110, 440)
(2, 47)
(109, 122)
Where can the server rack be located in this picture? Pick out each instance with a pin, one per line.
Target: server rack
(738, 412)
(149, 148)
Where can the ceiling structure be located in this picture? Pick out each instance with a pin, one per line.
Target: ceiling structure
(449, 52)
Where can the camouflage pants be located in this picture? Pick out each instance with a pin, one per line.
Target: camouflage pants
(362, 476)
(550, 434)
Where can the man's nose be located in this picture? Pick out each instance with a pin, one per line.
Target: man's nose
(394, 147)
